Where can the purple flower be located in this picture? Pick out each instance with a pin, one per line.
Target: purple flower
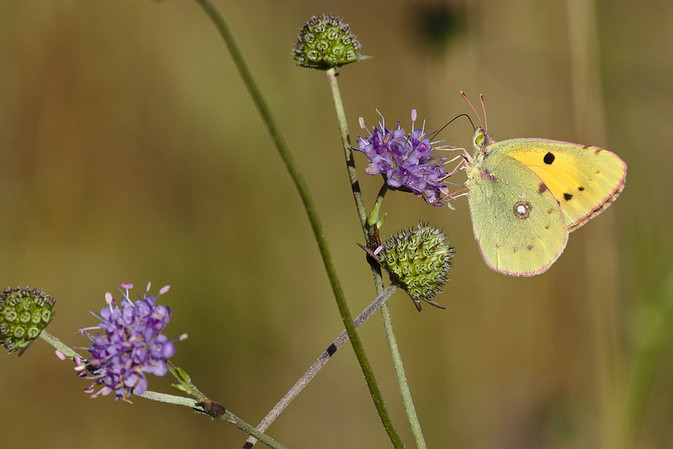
(406, 161)
(129, 346)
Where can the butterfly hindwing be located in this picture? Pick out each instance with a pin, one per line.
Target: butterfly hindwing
(584, 179)
(516, 220)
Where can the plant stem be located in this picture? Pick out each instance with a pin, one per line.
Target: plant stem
(59, 345)
(173, 399)
(348, 152)
(318, 364)
(402, 378)
(309, 206)
(371, 235)
(222, 413)
(247, 428)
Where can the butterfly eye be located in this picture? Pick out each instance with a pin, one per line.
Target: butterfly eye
(479, 139)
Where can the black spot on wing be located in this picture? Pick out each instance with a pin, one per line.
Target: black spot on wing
(567, 196)
(580, 188)
(549, 158)
(542, 188)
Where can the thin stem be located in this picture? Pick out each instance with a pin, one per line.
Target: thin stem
(172, 399)
(309, 206)
(348, 152)
(318, 364)
(247, 428)
(222, 413)
(402, 378)
(371, 236)
(397, 358)
(169, 399)
(370, 232)
(60, 346)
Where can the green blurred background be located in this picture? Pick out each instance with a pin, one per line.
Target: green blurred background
(130, 151)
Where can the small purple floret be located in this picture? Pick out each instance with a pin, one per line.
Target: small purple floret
(130, 345)
(406, 161)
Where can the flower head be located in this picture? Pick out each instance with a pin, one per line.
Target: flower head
(326, 42)
(406, 161)
(129, 344)
(418, 261)
(24, 313)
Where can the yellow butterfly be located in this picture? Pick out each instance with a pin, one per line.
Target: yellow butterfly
(526, 195)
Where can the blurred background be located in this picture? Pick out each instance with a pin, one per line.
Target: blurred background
(130, 151)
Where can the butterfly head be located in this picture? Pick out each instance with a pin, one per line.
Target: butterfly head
(481, 140)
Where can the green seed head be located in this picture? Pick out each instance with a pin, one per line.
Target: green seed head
(24, 313)
(326, 42)
(418, 261)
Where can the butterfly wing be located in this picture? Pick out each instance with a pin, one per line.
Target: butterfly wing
(516, 220)
(584, 179)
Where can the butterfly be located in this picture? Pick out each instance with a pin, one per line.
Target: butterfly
(526, 195)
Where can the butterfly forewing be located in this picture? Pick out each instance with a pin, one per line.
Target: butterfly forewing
(516, 220)
(584, 179)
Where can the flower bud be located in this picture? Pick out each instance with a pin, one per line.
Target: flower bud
(24, 313)
(418, 261)
(326, 42)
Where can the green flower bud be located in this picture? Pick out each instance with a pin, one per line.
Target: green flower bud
(418, 261)
(326, 42)
(24, 313)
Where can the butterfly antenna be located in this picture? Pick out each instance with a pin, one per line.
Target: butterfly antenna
(453, 119)
(462, 94)
(483, 108)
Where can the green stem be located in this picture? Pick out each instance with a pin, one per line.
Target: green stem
(247, 428)
(172, 399)
(222, 413)
(319, 363)
(348, 152)
(371, 234)
(402, 378)
(169, 399)
(60, 346)
(300, 184)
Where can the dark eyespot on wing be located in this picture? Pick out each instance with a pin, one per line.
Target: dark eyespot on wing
(522, 209)
(580, 188)
(542, 188)
(567, 196)
(549, 158)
